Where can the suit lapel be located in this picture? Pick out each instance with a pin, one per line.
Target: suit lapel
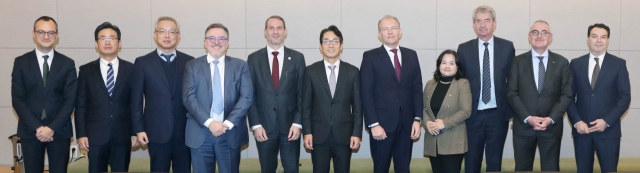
(604, 69)
(53, 71)
(552, 67)
(287, 66)
(447, 100)
(528, 68)
(341, 80)
(583, 70)
(429, 93)
(122, 74)
(157, 66)
(97, 75)
(35, 70)
(386, 62)
(322, 75)
(264, 67)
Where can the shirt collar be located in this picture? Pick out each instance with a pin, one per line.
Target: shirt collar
(481, 43)
(40, 54)
(115, 61)
(160, 53)
(601, 57)
(535, 54)
(327, 64)
(280, 50)
(211, 59)
(389, 48)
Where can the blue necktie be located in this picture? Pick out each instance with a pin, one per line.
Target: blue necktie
(217, 103)
(486, 75)
(541, 73)
(110, 80)
(168, 57)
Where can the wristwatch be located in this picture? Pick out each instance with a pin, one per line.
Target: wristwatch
(419, 120)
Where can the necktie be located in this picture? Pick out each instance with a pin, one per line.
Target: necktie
(45, 73)
(596, 71)
(486, 75)
(396, 63)
(275, 70)
(168, 57)
(110, 80)
(332, 80)
(217, 103)
(541, 73)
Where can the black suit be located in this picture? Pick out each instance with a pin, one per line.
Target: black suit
(487, 129)
(105, 120)
(29, 98)
(552, 102)
(164, 117)
(276, 109)
(608, 101)
(331, 121)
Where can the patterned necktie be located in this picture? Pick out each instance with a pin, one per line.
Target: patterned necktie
(168, 57)
(596, 71)
(396, 63)
(110, 80)
(217, 103)
(332, 80)
(275, 70)
(45, 73)
(541, 73)
(486, 75)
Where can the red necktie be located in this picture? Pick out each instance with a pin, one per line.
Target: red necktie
(396, 63)
(275, 70)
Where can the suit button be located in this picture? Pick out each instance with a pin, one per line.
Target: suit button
(274, 109)
(111, 116)
(110, 102)
(592, 95)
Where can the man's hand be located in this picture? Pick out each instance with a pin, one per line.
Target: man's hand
(142, 138)
(134, 141)
(598, 125)
(217, 129)
(546, 121)
(432, 128)
(536, 123)
(415, 130)
(294, 133)
(83, 143)
(355, 142)
(582, 127)
(260, 134)
(308, 141)
(44, 134)
(378, 133)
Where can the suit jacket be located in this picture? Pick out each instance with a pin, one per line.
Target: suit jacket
(29, 96)
(197, 95)
(163, 108)
(276, 110)
(99, 116)
(455, 109)
(525, 100)
(321, 113)
(608, 100)
(383, 97)
(503, 53)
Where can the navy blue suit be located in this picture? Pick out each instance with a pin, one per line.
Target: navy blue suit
(29, 96)
(392, 104)
(105, 120)
(164, 116)
(488, 127)
(608, 101)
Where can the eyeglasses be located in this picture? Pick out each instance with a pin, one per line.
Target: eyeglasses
(41, 33)
(107, 38)
(334, 41)
(213, 39)
(536, 33)
(171, 32)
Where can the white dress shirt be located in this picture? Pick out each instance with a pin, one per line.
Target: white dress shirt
(335, 70)
(221, 66)
(492, 103)
(592, 64)
(41, 60)
(104, 68)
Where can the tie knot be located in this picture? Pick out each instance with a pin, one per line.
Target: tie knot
(540, 57)
(166, 56)
(216, 62)
(597, 59)
(275, 53)
(332, 67)
(485, 44)
(110, 65)
(45, 57)
(395, 51)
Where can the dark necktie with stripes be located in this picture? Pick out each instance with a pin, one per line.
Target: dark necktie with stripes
(486, 75)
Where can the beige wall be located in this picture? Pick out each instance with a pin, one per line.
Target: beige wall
(429, 26)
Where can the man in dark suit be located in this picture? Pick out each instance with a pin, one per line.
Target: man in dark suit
(43, 94)
(217, 92)
(156, 87)
(485, 63)
(331, 110)
(391, 93)
(539, 93)
(601, 95)
(274, 116)
(103, 107)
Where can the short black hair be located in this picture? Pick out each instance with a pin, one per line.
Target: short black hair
(217, 25)
(106, 25)
(333, 29)
(46, 19)
(599, 25)
(437, 75)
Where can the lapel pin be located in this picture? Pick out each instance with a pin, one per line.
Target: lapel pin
(289, 58)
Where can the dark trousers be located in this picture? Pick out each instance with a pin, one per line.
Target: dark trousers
(485, 134)
(289, 153)
(607, 149)
(446, 163)
(112, 154)
(396, 146)
(525, 152)
(322, 154)
(57, 150)
(172, 154)
(215, 151)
